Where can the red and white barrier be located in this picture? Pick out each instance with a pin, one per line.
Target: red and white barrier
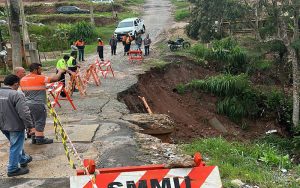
(55, 89)
(104, 67)
(197, 177)
(135, 55)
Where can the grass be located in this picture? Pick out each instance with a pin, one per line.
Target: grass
(3, 71)
(105, 32)
(157, 63)
(257, 163)
(181, 14)
(135, 2)
(182, 9)
(51, 63)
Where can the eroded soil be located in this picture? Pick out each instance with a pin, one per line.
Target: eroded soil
(190, 111)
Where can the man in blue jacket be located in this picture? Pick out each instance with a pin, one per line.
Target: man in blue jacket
(14, 119)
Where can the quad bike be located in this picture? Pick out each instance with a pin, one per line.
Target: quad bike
(178, 43)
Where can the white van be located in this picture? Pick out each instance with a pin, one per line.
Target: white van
(133, 26)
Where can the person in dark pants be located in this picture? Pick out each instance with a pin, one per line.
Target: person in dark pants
(62, 65)
(72, 66)
(15, 118)
(127, 43)
(80, 44)
(100, 48)
(74, 50)
(113, 44)
(147, 42)
(124, 42)
(138, 41)
(34, 87)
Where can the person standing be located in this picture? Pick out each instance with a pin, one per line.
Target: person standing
(15, 118)
(100, 48)
(80, 44)
(138, 41)
(147, 42)
(34, 87)
(128, 43)
(74, 50)
(124, 37)
(20, 72)
(113, 44)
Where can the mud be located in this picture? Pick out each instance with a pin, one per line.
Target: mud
(190, 111)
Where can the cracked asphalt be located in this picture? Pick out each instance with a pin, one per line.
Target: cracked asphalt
(114, 143)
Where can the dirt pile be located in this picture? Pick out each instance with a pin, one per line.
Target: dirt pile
(191, 112)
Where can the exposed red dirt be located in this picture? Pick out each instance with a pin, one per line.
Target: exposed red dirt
(191, 111)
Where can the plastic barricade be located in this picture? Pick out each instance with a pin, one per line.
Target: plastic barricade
(104, 67)
(54, 90)
(135, 55)
(91, 72)
(76, 81)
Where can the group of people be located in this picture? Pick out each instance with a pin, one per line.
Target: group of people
(24, 109)
(127, 39)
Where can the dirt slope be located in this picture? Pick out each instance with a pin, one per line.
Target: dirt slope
(191, 111)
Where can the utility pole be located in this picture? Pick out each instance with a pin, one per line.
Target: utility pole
(92, 13)
(26, 39)
(29, 47)
(15, 33)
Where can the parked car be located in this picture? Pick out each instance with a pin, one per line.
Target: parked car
(133, 26)
(72, 10)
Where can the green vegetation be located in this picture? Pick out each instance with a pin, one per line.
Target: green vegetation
(258, 163)
(62, 35)
(157, 63)
(226, 53)
(49, 63)
(236, 98)
(134, 2)
(4, 71)
(182, 9)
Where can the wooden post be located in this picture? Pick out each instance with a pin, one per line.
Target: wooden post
(146, 105)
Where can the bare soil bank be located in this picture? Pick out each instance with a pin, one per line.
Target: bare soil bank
(191, 111)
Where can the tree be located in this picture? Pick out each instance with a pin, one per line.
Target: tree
(92, 13)
(208, 18)
(285, 22)
(255, 8)
(15, 33)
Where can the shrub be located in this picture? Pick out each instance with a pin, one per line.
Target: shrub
(200, 51)
(51, 38)
(43, 35)
(83, 30)
(232, 107)
(222, 85)
(180, 88)
(262, 65)
(226, 52)
(236, 98)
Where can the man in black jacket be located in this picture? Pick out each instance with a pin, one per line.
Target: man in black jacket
(14, 119)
